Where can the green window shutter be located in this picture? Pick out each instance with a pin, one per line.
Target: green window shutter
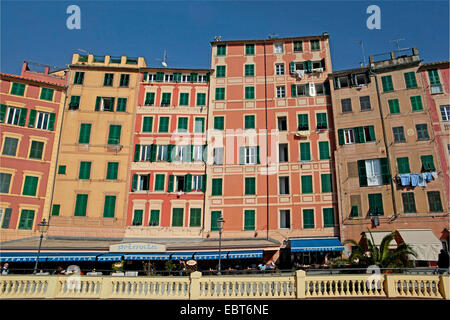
(219, 123)
(257, 155)
(303, 123)
(249, 49)
(249, 220)
(371, 134)
(416, 103)
(409, 203)
(98, 103)
(137, 152)
(220, 71)
(46, 94)
(165, 99)
(177, 217)
(26, 219)
(110, 206)
(403, 165)
(434, 201)
(170, 184)
(137, 217)
(326, 183)
(216, 187)
(3, 108)
(324, 150)
(249, 122)
(307, 66)
(23, 116)
(385, 174)
(308, 219)
(30, 186)
(394, 106)
(354, 212)
(410, 80)
(321, 120)
(149, 98)
(134, 182)
(195, 217)
(387, 83)
(434, 77)
(250, 187)
(188, 183)
(85, 133)
(114, 134)
(170, 149)
(184, 99)
(199, 125)
(242, 155)
(32, 118)
(182, 124)
(341, 137)
(359, 135)
(328, 218)
(249, 70)
(194, 77)
(144, 76)
(293, 90)
(85, 170)
(220, 93)
(305, 151)
(80, 205)
(292, 67)
(201, 99)
(427, 163)
(221, 50)
(154, 218)
(153, 150)
(204, 183)
(375, 204)
(159, 76)
(17, 89)
(307, 184)
(362, 173)
(249, 93)
(61, 169)
(36, 149)
(112, 169)
(121, 104)
(147, 124)
(7, 218)
(51, 122)
(215, 215)
(159, 182)
(163, 124)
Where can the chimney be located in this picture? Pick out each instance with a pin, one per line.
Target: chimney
(415, 51)
(392, 55)
(370, 59)
(24, 68)
(47, 70)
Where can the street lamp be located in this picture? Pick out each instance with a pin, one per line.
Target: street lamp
(43, 227)
(220, 223)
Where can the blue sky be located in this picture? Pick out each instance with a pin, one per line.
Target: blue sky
(36, 30)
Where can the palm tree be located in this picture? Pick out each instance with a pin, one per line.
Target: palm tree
(380, 256)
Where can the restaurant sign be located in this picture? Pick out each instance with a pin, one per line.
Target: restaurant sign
(137, 247)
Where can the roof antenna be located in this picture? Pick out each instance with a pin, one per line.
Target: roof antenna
(362, 49)
(397, 41)
(217, 38)
(272, 35)
(163, 60)
(84, 51)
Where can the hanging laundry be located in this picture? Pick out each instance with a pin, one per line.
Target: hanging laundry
(429, 176)
(414, 180)
(405, 179)
(422, 180)
(435, 175)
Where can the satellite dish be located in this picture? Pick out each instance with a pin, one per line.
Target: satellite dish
(164, 64)
(163, 60)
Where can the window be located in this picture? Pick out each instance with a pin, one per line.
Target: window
(285, 219)
(349, 136)
(143, 152)
(373, 172)
(85, 170)
(85, 133)
(220, 71)
(360, 79)
(177, 217)
(55, 209)
(121, 104)
(249, 92)
(124, 80)
(163, 124)
(387, 83)
(307, 184)
(249, 49)
(216, 187)
(410, 80)
(305, 151)
(218, 156)
(249, 122)
(159, 77)
(163, 152)
(74, 103)
(250, 186)
(434, 201)
(5, 180)
(108, 80)
(249, 219)
(154, 218)
(409, 204)
(18, 89)
(365, 103)
(61, 169)
(110, 206)
(140, 182)
(321, 120)
(149, 98)
(78, 78)
(416, 103)
(169, 78)
(403, 165)
(328, 218)
(16, 116)
(283, 183)
(346, 105)
(315, 45)
(80, 205)
(249, 70)
(326, 183)
(249, 155)
(26, 219)
(435, 82)
(36, 150)
(215, 215)
(184, 99)
(195, 217)
(165, 99)
(303, 123)
(279, 69)
(201, 99)
(199, 125)
(30, 186)
(375, 204)
(283, 152)
(114, 134)
(445, 113)
(147, 124)
(427, 163)
(324, 150)
(282, 123)
(220, 93)
(159, 182)
(10, 146)
(422, 132)
(341, 82)
(298, 46)
(111, 171)
(399, 134)
(197, 183)
(182, 124)
(308, 218)
(137, 217)
(6, 218)
(281, 92)
(394, 106)
(278, 48)
(221, 50)
(197, 153)
(104, 104)
(219, 123)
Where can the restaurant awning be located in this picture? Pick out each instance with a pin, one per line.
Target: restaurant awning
(147, 256)
(181, 255)
(19, 257)
(70, 256)
(423, 242)
(316, 244)
(378, 237)
(210, 255)
(111, 257)
(248, 254)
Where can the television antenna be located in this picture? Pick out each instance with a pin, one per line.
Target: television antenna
(217, 38)
(397, 41)
(362, 49)
(272, 35)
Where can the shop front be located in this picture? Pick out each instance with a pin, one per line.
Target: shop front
(314, 252)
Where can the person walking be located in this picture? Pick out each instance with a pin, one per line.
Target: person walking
(5, 269)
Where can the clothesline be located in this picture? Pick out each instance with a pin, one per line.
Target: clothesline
(417, 179)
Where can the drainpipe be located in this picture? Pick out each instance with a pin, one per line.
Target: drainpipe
(267, 142)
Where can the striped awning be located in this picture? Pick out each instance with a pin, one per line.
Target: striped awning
(247, 254)
(316, 244)
(70, 256)
(19, 257)
(111, 257)
(210, 255)
(147, 256)
(181, 255)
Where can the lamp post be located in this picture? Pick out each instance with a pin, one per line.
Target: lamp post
(220, 223)
(43, 227)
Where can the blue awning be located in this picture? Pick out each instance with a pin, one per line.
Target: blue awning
(248, 254)
(210, 255)
(70, 256)
(182, 255)
(20, 257)
(316, 244)
(113, 256)
(147, 256)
